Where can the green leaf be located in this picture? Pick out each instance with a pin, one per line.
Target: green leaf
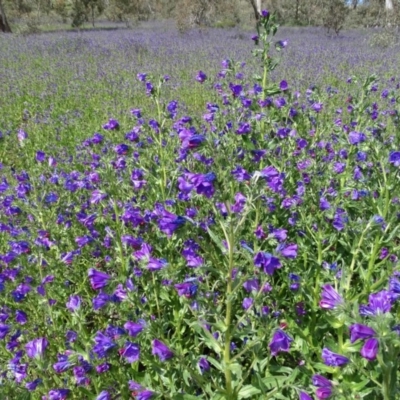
(216, 240)
(248, 391)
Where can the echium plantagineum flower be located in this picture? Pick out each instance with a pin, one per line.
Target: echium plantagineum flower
(111, 125)
(287, 251)
(324, 387)
(103, 344)
(201, 77)
(162, 351)
(280, 342)
(267, 262)
(274, 178)
(330, 298)
(169, 223)
(394, 158)
(370, 349)
(98, 279)
(58, 394)
(379, 303)
(360, 331)
(130, 351)
(333, 359)
(36, 347)
(134, 328)
(203, 183)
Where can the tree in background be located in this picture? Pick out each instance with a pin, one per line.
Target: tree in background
(4, 26)
(125, 10)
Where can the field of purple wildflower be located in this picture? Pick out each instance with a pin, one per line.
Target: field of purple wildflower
(181, 220)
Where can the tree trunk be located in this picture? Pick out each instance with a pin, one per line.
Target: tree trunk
(355, 4)
(4, 27)
(256, 8)
(93, 15)
(296, 16)
(389, 5)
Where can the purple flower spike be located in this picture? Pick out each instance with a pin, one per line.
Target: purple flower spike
(370, 349)
(265, 13)
(332, 359)
(330, 298)
(36, 347)
(163, 352)
(98, 279)
(280, 342)
(359, 331)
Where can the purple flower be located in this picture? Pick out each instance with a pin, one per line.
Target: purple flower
(40, 156)
(283, 85)
(187, 289)
(330, 298)
(103, 344)
(244, 128)
(104, 395)
(131, 351)
(74, 303)
(289, 251)
(323, 393)
(98, 279)
(251, 284)
(21, 317)
(356, 137)
(134, 328)
(204, 365)
(321, 381)
(359, 331)
(58, 394)
(201, 77)
(280, 342)
(247, 303)
(111, 125)
(145, 395)
(338, 167)
(4, 330)
(36, 347)
(22, 135)
(268, 262)
(304, 396)
(265, 13)
(332, 359)
(163, 352)
(281, 44)
(380, 303)
(370, 349)
(394, 158)
(31, 386)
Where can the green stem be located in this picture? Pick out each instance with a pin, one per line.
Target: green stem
(228, 319)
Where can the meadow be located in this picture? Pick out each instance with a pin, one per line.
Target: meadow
(183, 219)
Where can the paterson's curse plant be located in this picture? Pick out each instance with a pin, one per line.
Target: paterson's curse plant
(247, 252)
